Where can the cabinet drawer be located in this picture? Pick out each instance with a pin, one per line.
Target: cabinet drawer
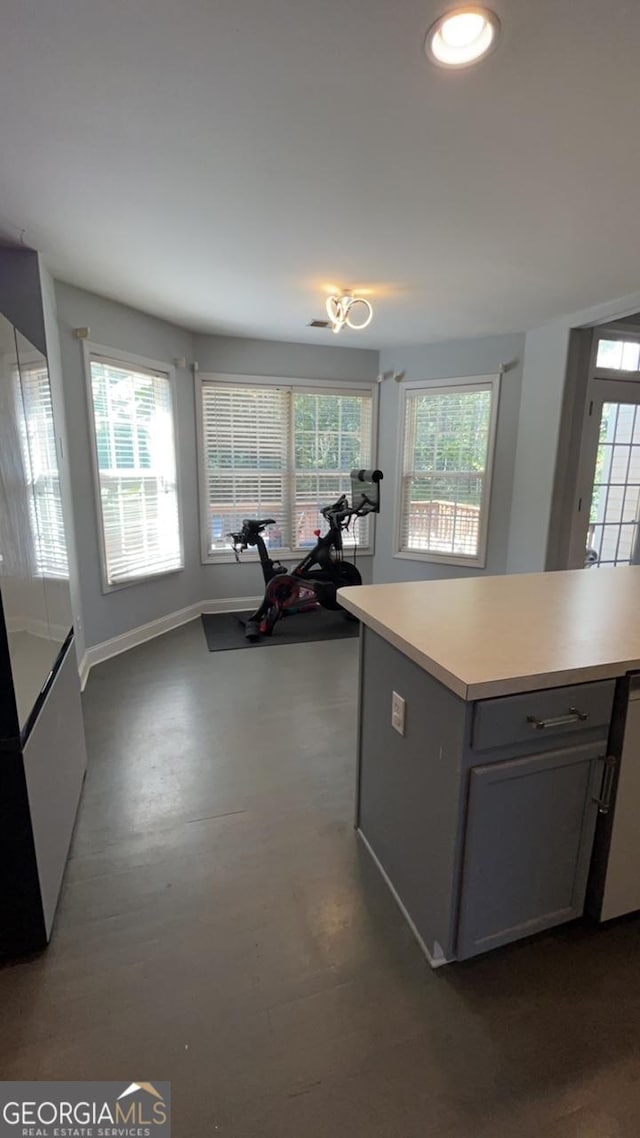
(541, 714)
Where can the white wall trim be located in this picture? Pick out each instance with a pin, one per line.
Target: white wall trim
(203, 379)
(168, 371)
(98, 653)
(230, 604)
(451, 385)
(40, 628)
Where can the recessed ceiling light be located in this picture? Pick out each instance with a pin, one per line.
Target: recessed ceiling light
(462, 36)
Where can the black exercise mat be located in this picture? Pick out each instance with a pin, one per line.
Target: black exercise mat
(225, 630)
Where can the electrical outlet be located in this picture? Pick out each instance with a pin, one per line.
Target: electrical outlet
(398, 712)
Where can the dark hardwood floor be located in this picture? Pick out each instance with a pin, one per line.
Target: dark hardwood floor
(221, 927)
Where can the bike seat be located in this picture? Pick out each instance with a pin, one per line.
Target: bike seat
(258, 523)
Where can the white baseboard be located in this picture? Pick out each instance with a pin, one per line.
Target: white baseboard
(40, 628)
(233, 604)
(98, 653)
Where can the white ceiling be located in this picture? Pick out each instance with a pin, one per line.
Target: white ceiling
(218, 162)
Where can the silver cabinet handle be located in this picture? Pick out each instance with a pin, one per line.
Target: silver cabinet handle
(604, 801)
(573, 716)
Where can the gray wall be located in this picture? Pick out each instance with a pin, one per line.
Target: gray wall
(20, 299)
(442, 361)
(124, 329)
(545, 363)
(540, 459)
(291, 361)
(559, 540)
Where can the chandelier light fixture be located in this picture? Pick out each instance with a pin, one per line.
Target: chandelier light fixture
(346, 310)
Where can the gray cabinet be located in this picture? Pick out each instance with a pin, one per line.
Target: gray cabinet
(482, 815)
(529, 833)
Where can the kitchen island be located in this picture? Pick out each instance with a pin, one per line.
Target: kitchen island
(509, 699)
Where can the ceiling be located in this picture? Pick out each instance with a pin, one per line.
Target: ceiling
(221, 162)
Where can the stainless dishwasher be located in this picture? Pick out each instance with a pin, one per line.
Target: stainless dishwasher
(614, 887)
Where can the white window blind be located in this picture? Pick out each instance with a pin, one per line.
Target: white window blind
(41, 464)
(281, 452)
(136, 467)
(332, 437)
(446, 460)
(246, 443)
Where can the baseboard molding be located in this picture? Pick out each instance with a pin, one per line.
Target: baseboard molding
(40, 628)
(233, 604)
(98, 653)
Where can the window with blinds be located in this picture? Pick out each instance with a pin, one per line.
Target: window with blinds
(447, 454)
(136, 470)
(41, 464)
(281, 452)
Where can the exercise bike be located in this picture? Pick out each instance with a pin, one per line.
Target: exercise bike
(315, 580)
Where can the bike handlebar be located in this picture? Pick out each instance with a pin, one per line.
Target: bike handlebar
(341, 510)
(339, 507)
(337, 513)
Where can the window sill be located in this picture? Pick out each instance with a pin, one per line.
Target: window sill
(442, 559)
(225, 557)
(115, 588)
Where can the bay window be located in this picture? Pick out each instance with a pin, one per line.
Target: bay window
(282, 451)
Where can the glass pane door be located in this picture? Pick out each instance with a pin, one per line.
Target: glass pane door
(615, 501)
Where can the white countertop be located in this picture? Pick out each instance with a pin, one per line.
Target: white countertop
(491, 636)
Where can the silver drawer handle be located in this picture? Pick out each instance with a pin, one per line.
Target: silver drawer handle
(574, 716)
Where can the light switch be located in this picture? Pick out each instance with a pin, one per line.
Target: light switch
(398, 712)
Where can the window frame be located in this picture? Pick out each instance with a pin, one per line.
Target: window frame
(626, 333)
(315, 386)
(448, 385)
(128, 359)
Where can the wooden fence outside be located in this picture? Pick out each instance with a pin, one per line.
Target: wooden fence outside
(444, 525)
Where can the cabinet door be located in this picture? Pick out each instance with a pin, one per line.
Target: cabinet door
(529, 832)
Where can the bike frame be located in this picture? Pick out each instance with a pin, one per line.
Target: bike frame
(269, 567)
(312, 582)
(316, 578)
(320, 555)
